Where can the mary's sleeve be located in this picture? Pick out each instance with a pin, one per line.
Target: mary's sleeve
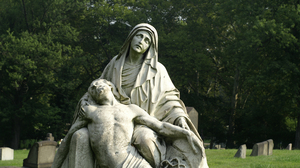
(85, 99)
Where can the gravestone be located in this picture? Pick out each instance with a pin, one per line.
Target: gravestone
(263, 148)
(289, 147)
(218, 146)
(193, 114)
(241, 153)
(259, 149)
(41, 154)
(6, 153)
(49, 137)
(270, 146)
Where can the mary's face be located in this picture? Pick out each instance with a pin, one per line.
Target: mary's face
(141, 42)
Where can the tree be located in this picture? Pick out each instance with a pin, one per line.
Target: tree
(32, 59)
(246, 43)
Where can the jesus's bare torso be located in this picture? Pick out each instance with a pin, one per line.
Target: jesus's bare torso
(110, 130)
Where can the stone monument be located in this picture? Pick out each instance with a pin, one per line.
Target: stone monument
(241, 153)
(289, 147)
(263, 148)
(193, 115)
(143, 89)
(6, 153)
(49, 137)
(41, 154)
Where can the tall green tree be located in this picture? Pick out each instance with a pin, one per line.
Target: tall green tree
(250, 46)
(36, 49)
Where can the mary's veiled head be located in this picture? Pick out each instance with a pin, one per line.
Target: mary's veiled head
(152, 52)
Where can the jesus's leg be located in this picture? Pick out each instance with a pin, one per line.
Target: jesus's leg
(80, 154)
(150, 145)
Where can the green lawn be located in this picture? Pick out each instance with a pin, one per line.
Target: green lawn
(279, 159)
(217, 159)
(19, 155)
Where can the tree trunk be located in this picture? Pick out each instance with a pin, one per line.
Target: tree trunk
(25, 15)
(297, 138)
(234, 98)
(16, 131)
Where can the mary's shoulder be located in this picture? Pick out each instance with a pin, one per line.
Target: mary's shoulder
(109, 66)
(160, 66)
(113, 59)
(161, 69)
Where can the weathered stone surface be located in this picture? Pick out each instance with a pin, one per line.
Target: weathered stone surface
(270, 147)
(263, 148)
(41, 155)
(111, 125)
(180, 153)
(289, 147)
(259, 149)
(6, 153)
(138, 79)
(241, 153)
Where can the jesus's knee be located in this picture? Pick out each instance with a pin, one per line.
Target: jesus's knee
(144, 137)
(150, 145)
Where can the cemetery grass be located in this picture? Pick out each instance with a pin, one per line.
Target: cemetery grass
(279, 159)
(216, 159)
(19, 156)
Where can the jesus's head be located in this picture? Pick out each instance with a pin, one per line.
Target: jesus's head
(101, 91)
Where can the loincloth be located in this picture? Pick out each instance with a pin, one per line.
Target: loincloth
(135, 160)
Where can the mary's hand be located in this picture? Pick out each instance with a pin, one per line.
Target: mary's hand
(181, 122)
(192, 141)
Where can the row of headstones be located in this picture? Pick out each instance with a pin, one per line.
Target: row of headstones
(41, 154)
(261, 148)
(215, 146)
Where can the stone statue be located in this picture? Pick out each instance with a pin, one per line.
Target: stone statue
(141, 80)
(111, 125)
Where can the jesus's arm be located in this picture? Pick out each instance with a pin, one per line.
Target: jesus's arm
(163, 128)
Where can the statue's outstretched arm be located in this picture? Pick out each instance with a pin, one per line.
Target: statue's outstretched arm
(164, 128)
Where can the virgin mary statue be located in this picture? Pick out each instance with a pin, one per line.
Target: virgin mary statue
(140, 79)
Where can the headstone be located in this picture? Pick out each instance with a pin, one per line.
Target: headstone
(41, 155)
(6, 153)
(218, 146)
(270, 146)
(259, 149)
(193, 114)
(49, 137)
(241, 153)
(263, 148)
(206, 145)
(289, 147)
